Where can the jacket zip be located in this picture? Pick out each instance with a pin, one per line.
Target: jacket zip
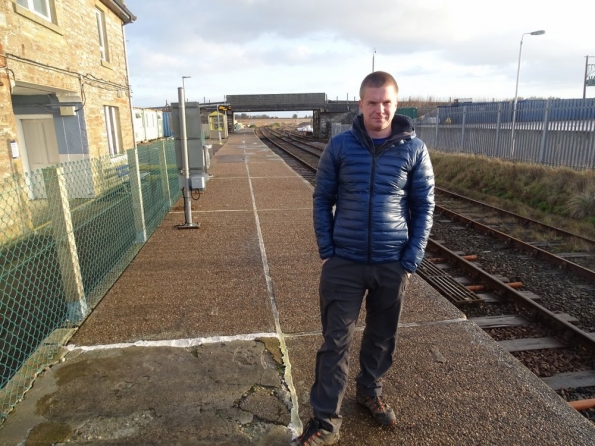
(375, 156)
(370, 208)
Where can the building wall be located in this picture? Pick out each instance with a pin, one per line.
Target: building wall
(147, 124)
(63, 57)
(7, 126)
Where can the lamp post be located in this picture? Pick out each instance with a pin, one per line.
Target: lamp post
(218, 125)
(516, 90)
(185, 77)
(373, 59)
(588, 81)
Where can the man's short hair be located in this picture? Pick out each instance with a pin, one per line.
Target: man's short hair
(377, 79)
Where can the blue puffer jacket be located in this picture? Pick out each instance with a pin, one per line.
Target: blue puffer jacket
(383, 198)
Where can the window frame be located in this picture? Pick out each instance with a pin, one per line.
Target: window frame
(102, 32)
(113, 129)
(40, 19)
(30, 6)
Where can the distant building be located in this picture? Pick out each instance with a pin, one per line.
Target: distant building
(64, 90)
(147, 123)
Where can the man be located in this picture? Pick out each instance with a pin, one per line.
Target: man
(379, 179)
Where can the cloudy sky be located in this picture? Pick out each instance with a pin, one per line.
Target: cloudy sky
(437, 49)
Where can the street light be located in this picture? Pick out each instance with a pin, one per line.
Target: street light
(588, 81)
(373, 59)
(218, 125)
(516, 90)
(185, 77)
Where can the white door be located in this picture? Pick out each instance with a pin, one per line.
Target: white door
(40, 149)
(40, 142)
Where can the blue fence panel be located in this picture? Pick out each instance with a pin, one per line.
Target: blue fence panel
(556, 132)
(167, 130)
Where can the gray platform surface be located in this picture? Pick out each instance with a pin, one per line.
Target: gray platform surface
(209, 338)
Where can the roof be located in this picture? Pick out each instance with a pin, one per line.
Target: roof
(119, 8)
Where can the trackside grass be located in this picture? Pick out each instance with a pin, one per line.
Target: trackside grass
(560, 196)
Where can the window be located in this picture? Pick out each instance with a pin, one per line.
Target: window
(103, 49)
(112, 123)
(39, 7)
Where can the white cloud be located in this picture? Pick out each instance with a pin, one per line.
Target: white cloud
(455, 48)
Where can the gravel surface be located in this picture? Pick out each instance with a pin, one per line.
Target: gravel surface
(576, 250)
(560, 291)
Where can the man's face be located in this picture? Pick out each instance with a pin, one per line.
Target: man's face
(378, 106)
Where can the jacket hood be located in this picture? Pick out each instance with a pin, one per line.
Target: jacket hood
(401, 127)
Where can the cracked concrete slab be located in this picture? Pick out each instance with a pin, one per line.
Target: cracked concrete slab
(229, 393)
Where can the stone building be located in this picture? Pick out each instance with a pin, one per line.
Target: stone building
(64, 87)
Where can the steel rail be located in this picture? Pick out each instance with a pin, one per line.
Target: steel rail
(536, 311)
(303, 145)
(297, 158)
(512, 214)
(533, 250)
(306, 141)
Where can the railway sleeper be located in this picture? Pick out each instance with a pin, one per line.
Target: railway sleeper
(525, 344)
(446, 284)
(571, 380)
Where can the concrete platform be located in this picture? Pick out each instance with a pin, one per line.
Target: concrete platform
(209, 338)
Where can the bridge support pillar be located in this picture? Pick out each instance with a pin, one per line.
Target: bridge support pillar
(316, 130)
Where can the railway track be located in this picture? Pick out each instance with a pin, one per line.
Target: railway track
(301, 157)
(562, 248)
(528, 295)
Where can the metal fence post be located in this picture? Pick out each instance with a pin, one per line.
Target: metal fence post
(463, 128)
(590, 161)
(546, 115)
(137, 196)
(437, 123)
(591, 140)
(63, 232)
(498, 125)
(164, 174)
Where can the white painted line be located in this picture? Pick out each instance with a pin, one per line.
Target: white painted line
(295, 423)
(214, 211)
(244, 210)
(285, 209)
(243, 178)
(292, 177)
(180, 343)
(404, 325)
(430, 323)
(193, 342)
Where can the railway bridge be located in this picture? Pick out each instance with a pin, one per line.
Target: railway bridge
(324, 111)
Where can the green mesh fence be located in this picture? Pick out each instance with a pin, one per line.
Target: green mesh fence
(66, 234)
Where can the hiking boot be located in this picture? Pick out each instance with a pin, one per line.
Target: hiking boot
(315, 435)
(381, 411)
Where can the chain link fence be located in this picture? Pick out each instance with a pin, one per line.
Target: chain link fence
(67, 232)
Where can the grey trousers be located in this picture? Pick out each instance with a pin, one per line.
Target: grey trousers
(343, 285)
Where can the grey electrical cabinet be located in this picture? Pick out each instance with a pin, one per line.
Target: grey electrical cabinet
(198, 156)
